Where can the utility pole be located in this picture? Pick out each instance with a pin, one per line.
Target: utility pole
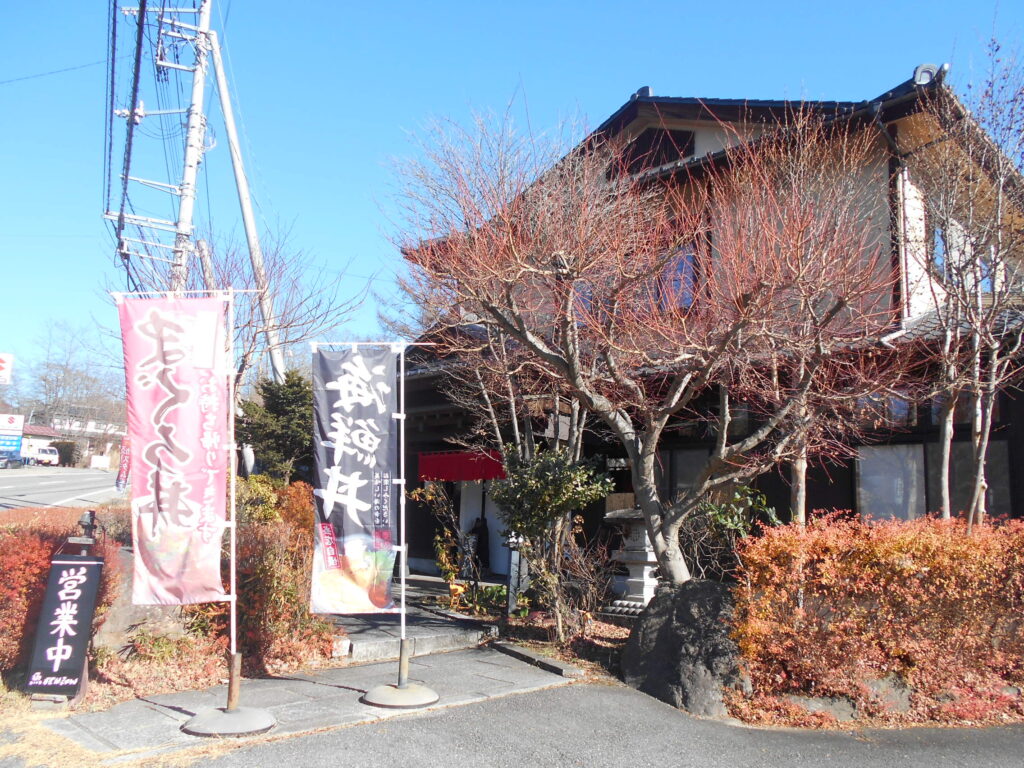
(194, 137)
(266, 303)
(209, 281)
(172, 36)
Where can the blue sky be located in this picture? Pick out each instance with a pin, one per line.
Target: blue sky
(328, 95)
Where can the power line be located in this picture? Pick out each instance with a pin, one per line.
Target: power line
(132, 106)
(108, 145)
(53, 72)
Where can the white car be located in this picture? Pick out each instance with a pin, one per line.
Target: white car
(48, 457)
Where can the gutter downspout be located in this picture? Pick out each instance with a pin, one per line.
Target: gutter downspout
(887, 339)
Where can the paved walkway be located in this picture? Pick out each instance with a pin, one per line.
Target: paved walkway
(302, 702)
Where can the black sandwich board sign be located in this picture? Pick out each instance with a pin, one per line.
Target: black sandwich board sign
(65, 624)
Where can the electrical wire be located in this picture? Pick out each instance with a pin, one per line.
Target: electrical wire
(136, 73)
(161, 77)
(52, 72)
(108, 144)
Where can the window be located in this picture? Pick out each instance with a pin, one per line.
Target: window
(891, 482)
(678, 470)
(886, 412)
(961, 471)
(678, 285)
(963, 411)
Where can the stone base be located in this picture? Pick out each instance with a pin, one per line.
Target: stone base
(624, 608)
(241, 721)
(619, 620)
(412, 696)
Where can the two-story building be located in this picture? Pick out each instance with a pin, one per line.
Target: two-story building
(895, 476)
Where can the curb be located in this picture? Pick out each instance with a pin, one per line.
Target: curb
(544, 662)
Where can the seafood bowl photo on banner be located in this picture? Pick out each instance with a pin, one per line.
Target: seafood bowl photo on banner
(355, 442)
(178, 383)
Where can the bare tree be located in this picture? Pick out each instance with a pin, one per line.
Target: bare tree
(748, 286)
(73, 379)
(971, 189)
(306, 299)
(514, 405)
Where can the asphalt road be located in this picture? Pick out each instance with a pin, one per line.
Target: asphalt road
(55, 487)
(608, 725)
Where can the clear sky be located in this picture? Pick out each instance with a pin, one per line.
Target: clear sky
(327, 93)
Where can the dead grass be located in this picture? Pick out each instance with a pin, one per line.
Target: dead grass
(152, 666)
(597, 652)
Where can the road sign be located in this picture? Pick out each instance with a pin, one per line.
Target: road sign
(6, 366)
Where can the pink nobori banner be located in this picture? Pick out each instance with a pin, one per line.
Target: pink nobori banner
(178, 392)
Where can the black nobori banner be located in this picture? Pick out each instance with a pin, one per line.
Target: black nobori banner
(65, 625)
(355, 440)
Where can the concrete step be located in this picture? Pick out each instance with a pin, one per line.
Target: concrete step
(377, 637)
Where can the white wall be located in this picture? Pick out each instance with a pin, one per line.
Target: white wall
(921, 292)
(469, 511)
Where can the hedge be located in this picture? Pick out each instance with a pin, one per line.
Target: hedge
(827, 609)
(25, 552)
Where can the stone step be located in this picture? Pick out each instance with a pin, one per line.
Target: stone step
(385, 648)
(377, 637)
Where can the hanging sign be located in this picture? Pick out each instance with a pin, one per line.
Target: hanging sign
(177, 384)
(65, 625)
(355, 441)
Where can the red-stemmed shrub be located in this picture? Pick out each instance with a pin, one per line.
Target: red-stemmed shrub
(295, 505)
(827, 609)
(275, 628)
(24, 562)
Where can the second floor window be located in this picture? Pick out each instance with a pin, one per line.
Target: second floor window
(679, 279)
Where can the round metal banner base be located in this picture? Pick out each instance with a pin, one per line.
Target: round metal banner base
(241, 721)
(411, 696)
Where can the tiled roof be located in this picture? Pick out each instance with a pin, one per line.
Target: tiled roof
(931, 325)
(38, 430)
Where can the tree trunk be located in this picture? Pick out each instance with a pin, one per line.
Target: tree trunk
(979, 442)
(946, 427)
(798, 487)
(986, 402)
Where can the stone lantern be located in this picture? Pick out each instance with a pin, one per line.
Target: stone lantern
(638, 556)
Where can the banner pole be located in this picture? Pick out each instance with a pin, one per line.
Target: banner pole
(403, 652)
(235, 659)
(232, 720)
(404, 695)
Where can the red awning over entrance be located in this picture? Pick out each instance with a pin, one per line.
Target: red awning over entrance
(455, 466)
